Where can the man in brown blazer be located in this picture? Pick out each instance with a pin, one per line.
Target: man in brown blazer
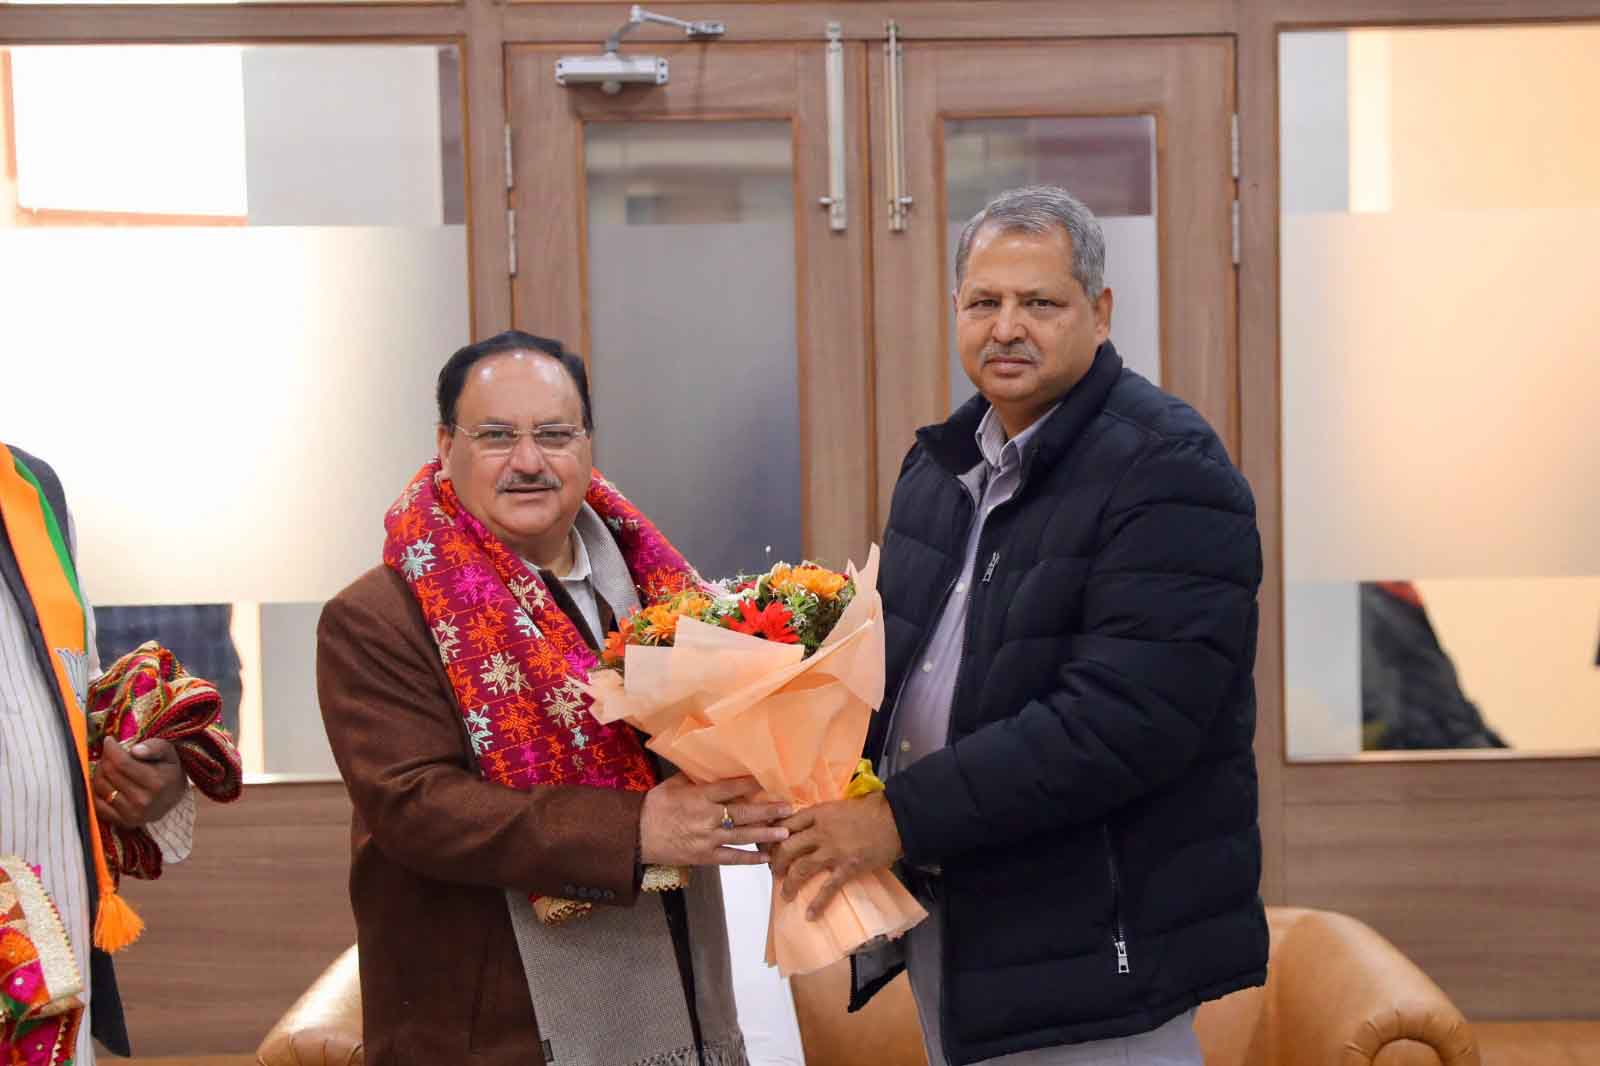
(455, 967)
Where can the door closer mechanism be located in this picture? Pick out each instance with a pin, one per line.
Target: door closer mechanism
(612, 71)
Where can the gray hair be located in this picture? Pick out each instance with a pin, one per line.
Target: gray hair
(1040, 209)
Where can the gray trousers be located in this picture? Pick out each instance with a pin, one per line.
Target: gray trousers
(1173, 1044)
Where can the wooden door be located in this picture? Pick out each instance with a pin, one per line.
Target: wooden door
(619, 200)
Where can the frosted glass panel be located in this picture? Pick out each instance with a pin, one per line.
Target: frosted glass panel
(1439, 372)
(225, 134)
(694, 368)
(282, 376)
(153, 143)
(231, 363)
(1439, 416)
(1109, 164)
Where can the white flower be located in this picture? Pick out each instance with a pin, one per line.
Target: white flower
(444, 635)
(566, 705)
(407, 498)
(77, 666)
(528, 592)
(478, 729)
(503, 675)
(418, 558)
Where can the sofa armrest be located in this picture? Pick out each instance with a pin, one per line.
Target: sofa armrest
(1345, 996)
(323, 1028)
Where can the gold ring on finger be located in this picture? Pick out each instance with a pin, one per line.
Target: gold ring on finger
(727, 819)
(112, 798)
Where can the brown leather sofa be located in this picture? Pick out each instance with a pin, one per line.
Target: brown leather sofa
(1338, 994)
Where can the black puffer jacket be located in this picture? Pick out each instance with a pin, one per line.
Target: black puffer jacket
(1099, 783)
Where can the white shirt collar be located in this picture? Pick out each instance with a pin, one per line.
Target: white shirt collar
(581, 570)
(999, 452)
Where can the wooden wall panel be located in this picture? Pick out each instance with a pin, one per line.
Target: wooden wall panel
(488, 241)
(926, 20)
(1483, 869)
(1259, 443)
(1494, 898)
(96, 23)
(236, 933)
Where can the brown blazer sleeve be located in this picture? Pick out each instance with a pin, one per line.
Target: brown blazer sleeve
(401, 747)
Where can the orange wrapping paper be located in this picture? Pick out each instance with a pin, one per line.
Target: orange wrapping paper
(720, 704)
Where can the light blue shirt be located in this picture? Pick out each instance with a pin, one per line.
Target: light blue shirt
(921, 723)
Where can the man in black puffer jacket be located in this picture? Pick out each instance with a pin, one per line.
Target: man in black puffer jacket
(1069, 580)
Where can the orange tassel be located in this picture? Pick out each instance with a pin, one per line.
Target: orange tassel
(116, 925)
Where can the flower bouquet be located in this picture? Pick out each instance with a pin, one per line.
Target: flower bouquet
(773, 677)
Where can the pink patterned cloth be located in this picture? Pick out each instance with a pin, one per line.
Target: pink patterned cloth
(40, 1008)
(515, 660)
(148, 695)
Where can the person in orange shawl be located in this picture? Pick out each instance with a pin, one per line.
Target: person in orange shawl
(52, 807)
(506, 844)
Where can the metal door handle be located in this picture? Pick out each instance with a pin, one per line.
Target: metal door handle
(838, 215)
(900, 200)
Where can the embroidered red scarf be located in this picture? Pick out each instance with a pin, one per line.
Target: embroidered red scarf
(147, 694)
(514, 658)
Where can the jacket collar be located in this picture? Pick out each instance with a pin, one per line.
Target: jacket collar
(953, 443)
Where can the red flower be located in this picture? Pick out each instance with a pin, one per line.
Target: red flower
(616, 646)
(770, 623)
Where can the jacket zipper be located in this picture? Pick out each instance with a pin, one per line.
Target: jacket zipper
(949, 732)
(1119, 938)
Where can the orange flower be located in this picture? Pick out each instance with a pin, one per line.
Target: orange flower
(823, 584)
(692, 604)
(660, 624)
(616, 643)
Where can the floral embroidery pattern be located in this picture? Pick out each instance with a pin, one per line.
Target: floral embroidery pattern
(478, 730)
(40, 984)
(514, 659)
(418, 558)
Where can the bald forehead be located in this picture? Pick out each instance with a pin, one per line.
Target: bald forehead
(517, 389)
(992, 233)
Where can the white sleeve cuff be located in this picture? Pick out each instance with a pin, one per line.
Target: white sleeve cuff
(174, 831)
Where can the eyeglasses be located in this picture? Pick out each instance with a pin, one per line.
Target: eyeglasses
(553, 438)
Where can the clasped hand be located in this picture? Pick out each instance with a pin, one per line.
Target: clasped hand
(840, 839)
(138, 785)
(685, 824)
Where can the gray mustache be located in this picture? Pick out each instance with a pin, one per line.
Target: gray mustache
(538, 481)
(1019, 350)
